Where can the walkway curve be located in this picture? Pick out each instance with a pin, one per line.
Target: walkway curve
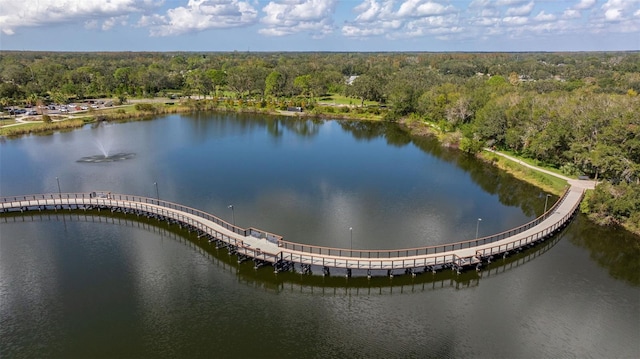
(585, 184)
(267, 248)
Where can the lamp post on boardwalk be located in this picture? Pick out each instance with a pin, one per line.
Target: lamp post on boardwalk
(351, 235)
(59, 191)
(233, 215)
(477, 226)
(157, 193)
(546, 200)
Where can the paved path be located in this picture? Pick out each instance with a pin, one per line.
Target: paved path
(584, 184)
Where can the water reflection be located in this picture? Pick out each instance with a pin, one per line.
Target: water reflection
(239, 123)
(510, 190)
(337, 283)
(612, 248)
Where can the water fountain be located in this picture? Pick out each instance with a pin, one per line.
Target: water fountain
(107, 158)
(104, 156)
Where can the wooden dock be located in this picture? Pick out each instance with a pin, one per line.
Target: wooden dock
(267, 248)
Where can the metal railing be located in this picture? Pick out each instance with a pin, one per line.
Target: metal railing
(532, 238)
(297, 252)
(419, 251)
(146, 204)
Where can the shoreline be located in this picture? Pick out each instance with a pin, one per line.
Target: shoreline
(534, 175)
(87, 117)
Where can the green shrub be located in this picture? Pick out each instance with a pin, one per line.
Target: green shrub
(145, 107)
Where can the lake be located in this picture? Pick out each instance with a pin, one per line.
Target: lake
(83, 285)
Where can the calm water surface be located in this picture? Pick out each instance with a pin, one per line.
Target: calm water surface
(87, 286)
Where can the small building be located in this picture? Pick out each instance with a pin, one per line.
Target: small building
(350, 79)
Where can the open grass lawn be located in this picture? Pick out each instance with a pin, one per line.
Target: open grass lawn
(336, 99)
(16, 130)
(27, 128)
(118, 109)
(7, 121)
(545, 181)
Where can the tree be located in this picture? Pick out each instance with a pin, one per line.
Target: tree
(491, 121)
(197, 81)
(274, 83)
(32, 99)
(246, 79)
(218, 79)
(303, 84)
(404, 89)
(366, 87)
(123, 78)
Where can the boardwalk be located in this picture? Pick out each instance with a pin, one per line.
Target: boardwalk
(267, 248)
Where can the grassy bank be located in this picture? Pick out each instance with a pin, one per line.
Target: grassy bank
(542, 180)
(42, 128)
(539, 179)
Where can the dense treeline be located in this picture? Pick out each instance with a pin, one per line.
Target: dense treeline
(577, 112)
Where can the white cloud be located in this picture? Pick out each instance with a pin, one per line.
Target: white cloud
(613, 15)
(419, 8)
(515, 20)
(486, 21)
(618, 10)
(585, 4)
(479, 4)
(200, 15)
(523, 10)
(571, 14)
(36, 13)
(542, 16)
(411, 18)
(373, 19)
(455, 20)
(490, 19)
(368, 11)
(109, 23)
(489, 13)
(509, 2)
(431, 25)
(360, 32)
(290, 17)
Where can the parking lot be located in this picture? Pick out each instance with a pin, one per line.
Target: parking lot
(56, 109)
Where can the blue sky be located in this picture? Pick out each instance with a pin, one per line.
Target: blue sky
(320, 25)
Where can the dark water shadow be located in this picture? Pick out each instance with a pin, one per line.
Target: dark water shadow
(264, 277)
